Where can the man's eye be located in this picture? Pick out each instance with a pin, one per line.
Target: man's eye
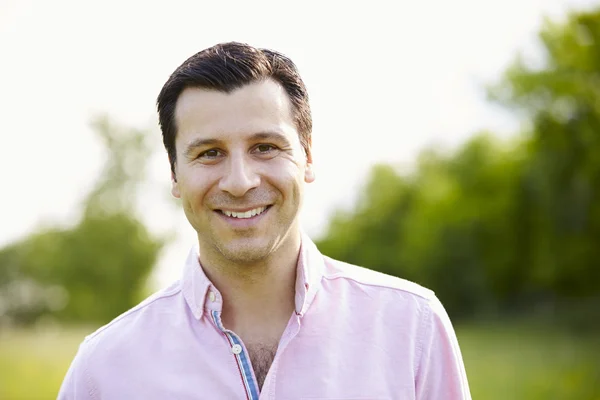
(264, 148)
(210, 154)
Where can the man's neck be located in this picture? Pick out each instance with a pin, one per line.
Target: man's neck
(258, 293)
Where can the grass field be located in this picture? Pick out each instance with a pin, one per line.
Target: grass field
(509, 362)
(518, 362)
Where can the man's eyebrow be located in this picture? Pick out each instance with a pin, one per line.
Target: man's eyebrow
(275, 136)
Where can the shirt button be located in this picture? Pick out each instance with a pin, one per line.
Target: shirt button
(236, 349)
(212, 296)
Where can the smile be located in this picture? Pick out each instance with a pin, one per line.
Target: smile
(244, 215)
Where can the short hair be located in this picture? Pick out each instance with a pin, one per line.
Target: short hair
(226, 67)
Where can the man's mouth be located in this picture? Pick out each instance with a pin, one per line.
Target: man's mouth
(245, 214)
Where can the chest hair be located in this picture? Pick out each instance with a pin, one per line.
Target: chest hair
(261, 356)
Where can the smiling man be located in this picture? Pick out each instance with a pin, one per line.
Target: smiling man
(259, 313)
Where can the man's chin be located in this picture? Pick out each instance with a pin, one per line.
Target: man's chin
(246, 250)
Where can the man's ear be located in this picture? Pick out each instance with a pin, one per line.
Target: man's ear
(309, 173)
(174, 186)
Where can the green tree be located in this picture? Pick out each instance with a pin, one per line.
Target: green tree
(561, 183)
(500, 226)
(98, 268)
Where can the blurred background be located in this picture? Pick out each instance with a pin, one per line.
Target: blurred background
(456, 144)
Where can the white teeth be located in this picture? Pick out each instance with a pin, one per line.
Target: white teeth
(247, 214)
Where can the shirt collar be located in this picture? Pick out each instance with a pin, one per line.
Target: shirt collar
(195, 284)
(200, 294)
(309, 272)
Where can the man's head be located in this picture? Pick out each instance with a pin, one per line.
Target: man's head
(236, 124)
(226, 67)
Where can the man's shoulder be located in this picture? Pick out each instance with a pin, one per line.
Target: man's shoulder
(126, 326)
(377, 280)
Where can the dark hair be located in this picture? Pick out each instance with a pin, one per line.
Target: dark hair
(226, 67)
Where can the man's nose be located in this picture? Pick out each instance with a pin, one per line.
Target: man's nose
(240, 176)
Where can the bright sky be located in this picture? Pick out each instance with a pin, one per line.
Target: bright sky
(385, 79)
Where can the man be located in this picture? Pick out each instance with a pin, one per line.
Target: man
(259, 312)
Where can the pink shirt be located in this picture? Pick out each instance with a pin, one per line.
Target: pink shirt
(355, 334)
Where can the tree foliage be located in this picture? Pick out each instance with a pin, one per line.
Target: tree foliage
(500, 226)
(96, 269)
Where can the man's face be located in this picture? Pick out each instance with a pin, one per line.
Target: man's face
(240, 169)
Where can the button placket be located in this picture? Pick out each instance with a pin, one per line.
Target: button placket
(242, 358)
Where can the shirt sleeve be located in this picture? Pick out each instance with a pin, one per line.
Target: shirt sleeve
(77, 384)
(441, 372)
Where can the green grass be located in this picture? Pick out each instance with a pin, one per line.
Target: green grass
(509, 362)
(516, 361)
(33, 363)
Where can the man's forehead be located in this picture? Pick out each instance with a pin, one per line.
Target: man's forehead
(266, 96)
(261, 108)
